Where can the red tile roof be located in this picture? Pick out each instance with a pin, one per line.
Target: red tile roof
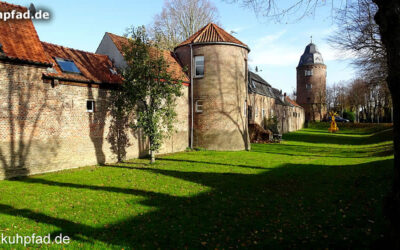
(212, 33)
(94, 67)
(19, 38)
(292, 102)
(174, 66)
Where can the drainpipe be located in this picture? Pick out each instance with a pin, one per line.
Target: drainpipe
(391, 114)
(191, 96)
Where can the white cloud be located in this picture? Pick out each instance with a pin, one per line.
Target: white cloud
(330, 53)
(280, 49)
(236, 29)
(269, 39)
(269, 50)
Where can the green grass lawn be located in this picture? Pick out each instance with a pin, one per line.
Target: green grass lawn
(314, 190)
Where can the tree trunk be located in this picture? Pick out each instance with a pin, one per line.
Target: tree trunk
(152, 157)
(388, 19)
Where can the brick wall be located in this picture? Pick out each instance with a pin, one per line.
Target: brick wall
(223, 90)
(45, 128)
(291, 122)
(313, 99)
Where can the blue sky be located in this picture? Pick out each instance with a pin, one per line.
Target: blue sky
(275, 48)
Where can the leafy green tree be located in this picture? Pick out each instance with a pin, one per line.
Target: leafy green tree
(150, 88)
(119, 124)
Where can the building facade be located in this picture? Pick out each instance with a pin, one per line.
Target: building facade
(55, 101)
(311, 84)
(55, 106)
(217, 64)
(266, 102)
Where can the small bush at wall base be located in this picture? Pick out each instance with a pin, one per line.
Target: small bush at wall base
(271, 124)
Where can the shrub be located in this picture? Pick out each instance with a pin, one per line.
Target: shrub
(271, 124)
(349, 116)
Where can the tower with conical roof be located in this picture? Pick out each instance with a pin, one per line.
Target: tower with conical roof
(311, 83)
(217, 64)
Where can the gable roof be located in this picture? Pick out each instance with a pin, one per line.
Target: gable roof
(174, 66)
(94, 68)
(292, 102)
(259, 86)
(19, 39)
(255, 77)
(212, 33)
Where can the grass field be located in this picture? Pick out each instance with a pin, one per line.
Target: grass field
(314, 190)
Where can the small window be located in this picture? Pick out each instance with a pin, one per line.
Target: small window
(272, 113)
(308, 72)
(199, 66)
(67, 66)
(245, 108)
(263, 113)
(90, 106)
(250, 112)
(256, 112)
(253, 83)
(199, 106)
(308, 86)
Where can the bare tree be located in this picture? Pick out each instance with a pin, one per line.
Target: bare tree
(356, 93)
(387, 18)
(330, 97)
(293, 94)
(179, 19)
(358, 34)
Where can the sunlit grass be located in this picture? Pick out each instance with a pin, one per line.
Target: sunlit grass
(313, 190)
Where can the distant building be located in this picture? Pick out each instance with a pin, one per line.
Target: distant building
(266, 102)
(311, 84)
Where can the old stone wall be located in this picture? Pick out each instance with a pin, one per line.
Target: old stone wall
(47, 128)
(222, 125)
(289, 118)
(311, 91)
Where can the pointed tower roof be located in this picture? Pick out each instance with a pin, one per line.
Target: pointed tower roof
(311, 56)
(213, 34)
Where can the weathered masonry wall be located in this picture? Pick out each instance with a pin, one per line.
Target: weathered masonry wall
(289, 118)
(45, 128)
(313, 98)
(222, 125)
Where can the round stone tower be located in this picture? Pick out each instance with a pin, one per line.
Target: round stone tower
(311, 84)
(217, 63)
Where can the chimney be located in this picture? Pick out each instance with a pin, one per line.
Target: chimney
(284, 94)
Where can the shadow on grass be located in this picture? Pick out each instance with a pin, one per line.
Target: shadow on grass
(340, 139)
(314, 151)
(212, 163)
(292, 206)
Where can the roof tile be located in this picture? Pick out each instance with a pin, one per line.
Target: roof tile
(174, 66)
(292, 102)
(94, 67)
(19, 39)
(211, 33)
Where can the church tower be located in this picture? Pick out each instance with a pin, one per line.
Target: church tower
(311, 84)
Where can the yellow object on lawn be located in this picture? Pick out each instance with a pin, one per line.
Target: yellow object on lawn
(334, 126)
